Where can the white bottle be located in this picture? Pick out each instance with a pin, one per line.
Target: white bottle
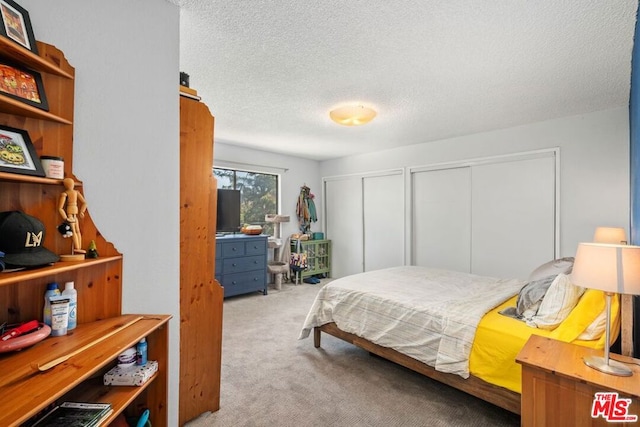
(71, 293)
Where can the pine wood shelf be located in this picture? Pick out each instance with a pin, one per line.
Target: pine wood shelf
(59, 267)
(67, 380)
(25, 390)
(28, 179)
(16, 53)
(12, 177)
(15, 107)
(95, 391)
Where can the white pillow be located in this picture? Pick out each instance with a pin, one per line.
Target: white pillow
(561, 297)
(596, 328)
(552, 268)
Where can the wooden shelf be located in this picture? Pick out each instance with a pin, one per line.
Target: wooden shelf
(25, 390)
(21, 376)
(16, 53)
(13, 177)
(15, 107)
(18, 178)
(95, 391)
(58, 267)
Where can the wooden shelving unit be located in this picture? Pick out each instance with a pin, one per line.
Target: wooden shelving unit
(25, 389)
(318, 256)
(200, 295)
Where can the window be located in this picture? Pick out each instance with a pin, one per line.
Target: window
(259, 194)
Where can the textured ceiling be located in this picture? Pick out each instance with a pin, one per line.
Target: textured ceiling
(270, 71)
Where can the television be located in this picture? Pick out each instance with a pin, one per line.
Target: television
(228, 211)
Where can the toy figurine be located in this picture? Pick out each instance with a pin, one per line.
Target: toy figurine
(92, 252)
(72, 206)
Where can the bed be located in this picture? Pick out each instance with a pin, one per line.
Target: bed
(458, 328)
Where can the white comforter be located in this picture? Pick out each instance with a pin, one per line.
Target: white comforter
(428, 314)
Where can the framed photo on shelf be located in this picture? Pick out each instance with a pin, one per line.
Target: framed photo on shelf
(16, 25)
(23, 85)
(17, 153)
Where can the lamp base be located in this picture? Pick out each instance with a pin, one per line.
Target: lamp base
(611, 367)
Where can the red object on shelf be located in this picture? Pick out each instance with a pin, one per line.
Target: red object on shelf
(25, 340)
(20, 330)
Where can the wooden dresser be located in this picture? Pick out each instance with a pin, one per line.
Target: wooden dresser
(241, 264)
(558, 389)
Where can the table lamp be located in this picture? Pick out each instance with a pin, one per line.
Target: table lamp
(612, 269)
(614, 235)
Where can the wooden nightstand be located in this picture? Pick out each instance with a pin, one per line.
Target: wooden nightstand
(558, 388)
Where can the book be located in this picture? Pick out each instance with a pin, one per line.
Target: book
(75, 414)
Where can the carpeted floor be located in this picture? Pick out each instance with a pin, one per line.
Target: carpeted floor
(270, 378)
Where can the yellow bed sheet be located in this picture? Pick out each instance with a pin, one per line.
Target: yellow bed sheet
(499, 338)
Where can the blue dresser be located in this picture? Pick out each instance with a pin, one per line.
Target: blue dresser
(241, 264)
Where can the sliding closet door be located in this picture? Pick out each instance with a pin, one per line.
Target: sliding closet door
(442, 218)
(344, 225)
(383, 199)
(513, 221)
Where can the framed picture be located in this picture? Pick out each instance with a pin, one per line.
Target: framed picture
(16, 25)
(17, 153)
(23, 85)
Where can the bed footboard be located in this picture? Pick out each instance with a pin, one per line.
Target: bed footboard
(474, 386)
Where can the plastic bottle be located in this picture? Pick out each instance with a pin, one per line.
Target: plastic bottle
(52, 291)
(141, 350)
(71, 293)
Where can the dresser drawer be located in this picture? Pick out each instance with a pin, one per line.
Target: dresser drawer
(247, 263)
(255, 247)
(231, 249)
(241, 283)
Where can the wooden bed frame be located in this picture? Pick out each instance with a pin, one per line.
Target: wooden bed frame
(474, 386)
(499, 396)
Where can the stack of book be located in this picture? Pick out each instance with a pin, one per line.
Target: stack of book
(76, 414)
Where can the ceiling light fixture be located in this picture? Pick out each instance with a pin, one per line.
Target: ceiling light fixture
(352, 115)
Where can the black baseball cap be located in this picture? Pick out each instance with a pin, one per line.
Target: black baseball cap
(21, 238)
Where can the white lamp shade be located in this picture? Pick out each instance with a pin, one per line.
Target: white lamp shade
(609, 268)
(613, 235)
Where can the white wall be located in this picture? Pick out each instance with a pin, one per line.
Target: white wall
(594, 165)
(126, 139)
(294, 172)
